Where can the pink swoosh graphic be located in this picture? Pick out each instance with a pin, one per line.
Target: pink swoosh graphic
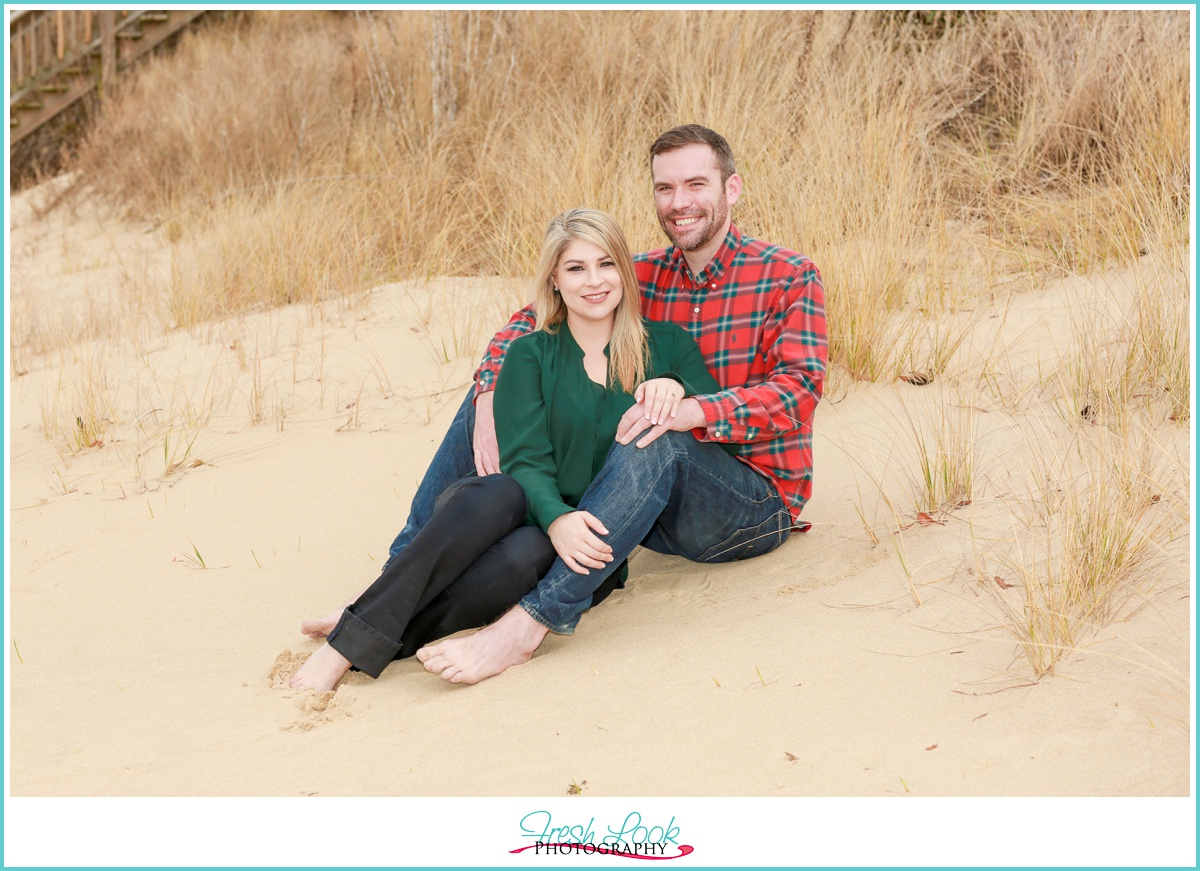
(684, 850)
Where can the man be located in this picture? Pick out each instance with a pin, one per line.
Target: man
(757, 312)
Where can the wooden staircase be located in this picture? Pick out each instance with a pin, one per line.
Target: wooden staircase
(57, 57)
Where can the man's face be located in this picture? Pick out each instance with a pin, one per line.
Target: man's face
(692, 203)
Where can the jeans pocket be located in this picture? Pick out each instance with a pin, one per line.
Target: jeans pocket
(751, 541)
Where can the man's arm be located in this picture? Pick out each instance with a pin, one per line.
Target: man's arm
(796, 350)
(795, 346)
(487, 453)
(489, 368)
(686, 367)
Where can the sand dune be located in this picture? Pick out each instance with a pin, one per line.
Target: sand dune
(251, 473)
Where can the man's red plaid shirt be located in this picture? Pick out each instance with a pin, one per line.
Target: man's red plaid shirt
(758, 313)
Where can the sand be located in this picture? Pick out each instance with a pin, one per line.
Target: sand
(253, 472)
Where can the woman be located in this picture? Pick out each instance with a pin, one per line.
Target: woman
(561, 393)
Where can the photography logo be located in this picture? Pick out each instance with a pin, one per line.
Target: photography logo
(631, 840)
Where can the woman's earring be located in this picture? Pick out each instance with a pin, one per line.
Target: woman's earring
(556, 290)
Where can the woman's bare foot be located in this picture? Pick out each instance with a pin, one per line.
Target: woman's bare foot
(319, 627)
(321, 671)
(509, 641)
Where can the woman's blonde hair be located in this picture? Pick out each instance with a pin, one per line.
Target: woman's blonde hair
(627, 350)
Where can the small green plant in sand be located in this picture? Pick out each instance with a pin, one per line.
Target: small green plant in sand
(946, 454)
(79, 411)
(194, 558)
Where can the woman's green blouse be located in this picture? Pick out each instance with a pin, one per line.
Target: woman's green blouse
(555, 425)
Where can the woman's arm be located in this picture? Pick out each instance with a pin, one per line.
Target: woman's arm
(527, 454)
(685, 363)
(523, 432)
(676, 356)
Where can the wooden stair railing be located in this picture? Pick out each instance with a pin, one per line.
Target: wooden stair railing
(56, 57)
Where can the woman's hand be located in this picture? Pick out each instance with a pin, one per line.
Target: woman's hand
(573, 536)
(659, 397)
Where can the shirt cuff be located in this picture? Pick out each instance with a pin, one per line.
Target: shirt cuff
(717, 427)
(485, 382)
(548, 512)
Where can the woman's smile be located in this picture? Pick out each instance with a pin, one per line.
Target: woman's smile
(588, 281)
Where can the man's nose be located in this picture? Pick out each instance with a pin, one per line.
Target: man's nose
(681, 200)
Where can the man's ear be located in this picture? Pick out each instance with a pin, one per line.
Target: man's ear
(733, 188)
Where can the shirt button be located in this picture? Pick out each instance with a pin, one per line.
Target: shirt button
(696, 310)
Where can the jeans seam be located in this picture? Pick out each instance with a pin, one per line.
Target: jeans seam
(360, 624)
(536, 615)
(781, 527)
(372, 650)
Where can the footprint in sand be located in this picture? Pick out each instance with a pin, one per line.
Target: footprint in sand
(315, 708)
(283, 668)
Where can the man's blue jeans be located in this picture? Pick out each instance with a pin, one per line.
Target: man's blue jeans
(455, 458)
(675, 496)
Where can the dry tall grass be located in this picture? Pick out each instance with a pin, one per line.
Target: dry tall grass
(1104, 517)
(298, 154)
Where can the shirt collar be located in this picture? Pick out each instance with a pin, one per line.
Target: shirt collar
(573, 343)
(719, 263)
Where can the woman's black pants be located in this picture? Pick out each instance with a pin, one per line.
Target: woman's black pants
(470, 563)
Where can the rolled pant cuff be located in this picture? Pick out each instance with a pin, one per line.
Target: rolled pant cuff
(367, 650)
(556, 629)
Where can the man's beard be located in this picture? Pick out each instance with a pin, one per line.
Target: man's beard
(710, 227)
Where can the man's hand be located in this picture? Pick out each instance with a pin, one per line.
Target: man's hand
(573, 536)
(634, 422)
(487, 450)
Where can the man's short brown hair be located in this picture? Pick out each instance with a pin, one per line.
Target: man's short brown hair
(694, 134)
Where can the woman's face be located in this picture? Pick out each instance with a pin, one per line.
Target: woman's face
(588, 280)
